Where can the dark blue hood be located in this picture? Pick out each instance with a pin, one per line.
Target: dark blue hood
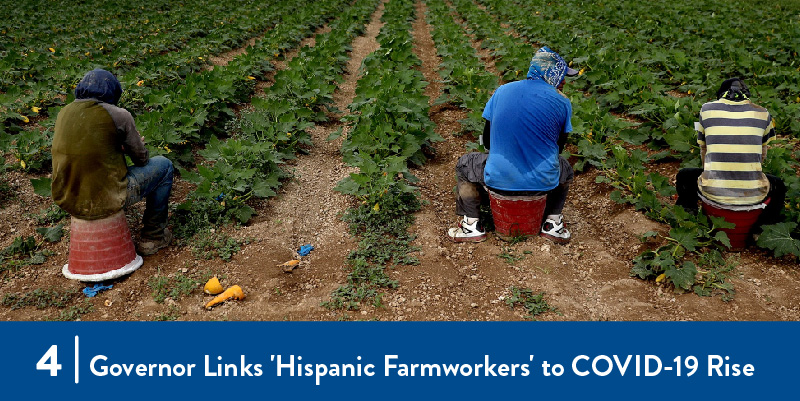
(101, 85)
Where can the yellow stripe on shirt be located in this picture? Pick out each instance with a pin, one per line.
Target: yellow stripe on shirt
(738, 184)
(731, 130)
(734, 115)
(726, 148)
(726, 166)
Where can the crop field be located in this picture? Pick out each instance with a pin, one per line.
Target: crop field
(338, 123)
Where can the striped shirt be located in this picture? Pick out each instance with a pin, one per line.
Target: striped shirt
(734, 136)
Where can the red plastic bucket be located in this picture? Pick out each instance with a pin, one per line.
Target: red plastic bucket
(743, 219)
(101, 249)
(517, 216)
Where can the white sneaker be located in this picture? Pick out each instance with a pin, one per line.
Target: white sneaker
(556, 232)
(466, 232)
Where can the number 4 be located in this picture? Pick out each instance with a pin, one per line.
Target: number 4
(53, 366)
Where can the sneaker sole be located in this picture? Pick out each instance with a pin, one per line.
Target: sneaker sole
(555, 239)
(469, 239)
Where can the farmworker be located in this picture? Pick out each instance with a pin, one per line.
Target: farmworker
(90, 177)
(526, 128)
(733, 133)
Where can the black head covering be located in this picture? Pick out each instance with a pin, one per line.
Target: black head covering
(733, 89)
(99, 84)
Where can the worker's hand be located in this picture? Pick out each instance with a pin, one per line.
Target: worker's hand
(142, 138)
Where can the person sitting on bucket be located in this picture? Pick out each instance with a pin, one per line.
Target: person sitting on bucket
(733, 133)
(526, 128)
(91, 180)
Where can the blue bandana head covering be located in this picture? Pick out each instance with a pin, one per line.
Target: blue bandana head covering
(99, 84)
(548, 66)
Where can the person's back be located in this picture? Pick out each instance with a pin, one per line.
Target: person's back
(88, 168)
(527, 123)
(527, 118)
(733, 134)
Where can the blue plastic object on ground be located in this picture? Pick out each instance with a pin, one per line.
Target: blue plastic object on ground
(305, 250)
(92, 291)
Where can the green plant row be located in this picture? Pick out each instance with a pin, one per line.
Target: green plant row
(467, 84)
(636, 54)
(511, 55)
(614, 76)
(188, 112)
(614, 81)
(247, 165)
(389, 129)
(153, 47)
(160, 77)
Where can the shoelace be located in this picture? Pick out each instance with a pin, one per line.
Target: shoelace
(464, 229)
(559, 228)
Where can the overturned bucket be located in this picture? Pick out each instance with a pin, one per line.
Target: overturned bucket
(744, 218)
(517, 216)
(101, 249)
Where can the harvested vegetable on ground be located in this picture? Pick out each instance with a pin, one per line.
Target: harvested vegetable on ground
(290, 265)
(213, 287)
(234, 292)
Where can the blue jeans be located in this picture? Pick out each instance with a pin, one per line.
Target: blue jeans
(154, 182)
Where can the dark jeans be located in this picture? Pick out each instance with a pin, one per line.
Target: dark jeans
(152, 181)
(686, 185)
(471, 193)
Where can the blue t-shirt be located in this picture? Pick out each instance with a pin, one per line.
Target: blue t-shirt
(527, 117)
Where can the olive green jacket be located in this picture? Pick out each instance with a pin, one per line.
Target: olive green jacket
(89, 146)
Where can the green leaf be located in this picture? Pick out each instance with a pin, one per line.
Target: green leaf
(41, 186)
(38, 258)
(682, 277)
(645, 236)
(592, 151)
(702, 291)
(602, 179)
(722, 237)
(334, 135)
(633, 136)
(262, 189)
(686, 237)
(617, 197)
(778, 238)
(244, 213)
(664, 261)
(720, 222)
(661, 184)
(643, 265)
(21, 245)
(348, 185)
(51, 234)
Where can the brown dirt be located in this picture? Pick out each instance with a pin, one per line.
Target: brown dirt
(586, 280)
(225, 58)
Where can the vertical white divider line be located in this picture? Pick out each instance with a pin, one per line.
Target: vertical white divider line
(77, 366)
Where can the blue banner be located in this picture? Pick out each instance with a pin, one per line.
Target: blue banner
(410, 360)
